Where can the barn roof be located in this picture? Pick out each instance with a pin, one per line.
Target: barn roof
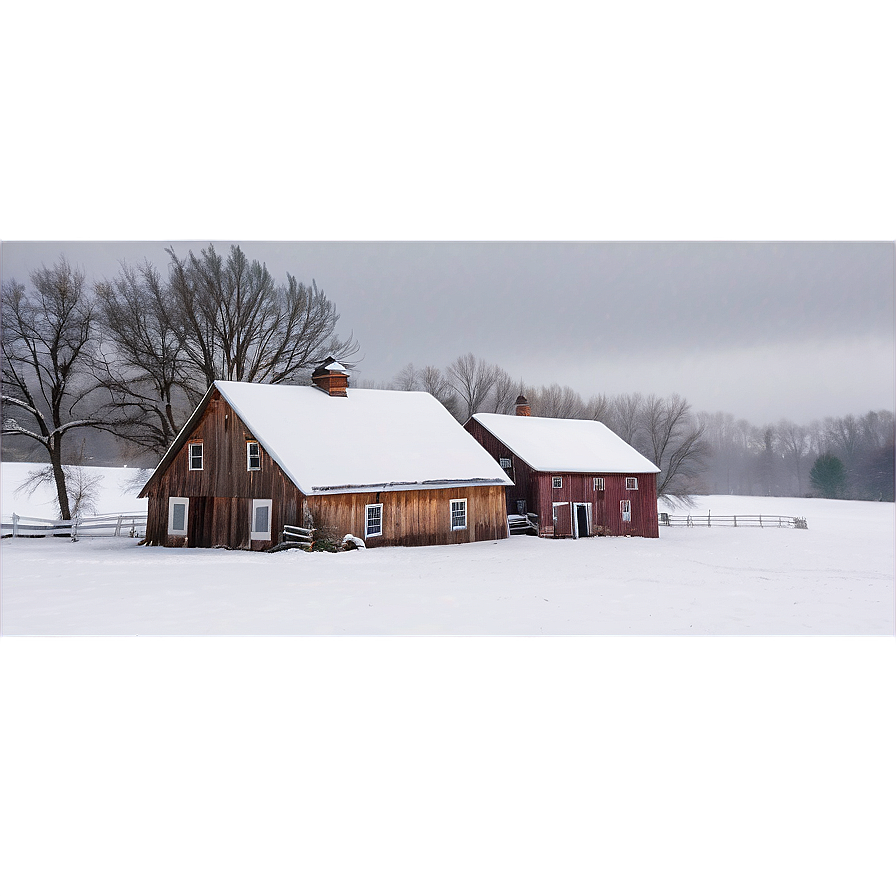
(569, 446)
(368, 440)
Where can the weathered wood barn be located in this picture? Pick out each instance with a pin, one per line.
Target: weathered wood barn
(393, 468)
(572, 478)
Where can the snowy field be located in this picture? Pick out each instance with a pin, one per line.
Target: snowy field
(836, 578)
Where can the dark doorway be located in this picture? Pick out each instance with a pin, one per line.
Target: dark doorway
(582, 520)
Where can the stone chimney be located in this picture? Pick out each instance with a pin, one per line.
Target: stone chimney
(331, 376)
(522, 407)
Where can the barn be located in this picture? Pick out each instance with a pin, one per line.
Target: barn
(571, 478)
(393, 468)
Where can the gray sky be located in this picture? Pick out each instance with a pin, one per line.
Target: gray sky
(760, 330)
(607, 122)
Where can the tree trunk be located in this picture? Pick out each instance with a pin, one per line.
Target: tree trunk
(59, 476)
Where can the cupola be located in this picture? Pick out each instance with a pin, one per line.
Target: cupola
(331, 376)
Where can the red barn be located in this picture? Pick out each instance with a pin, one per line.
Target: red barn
(572, 478)
(393, 468)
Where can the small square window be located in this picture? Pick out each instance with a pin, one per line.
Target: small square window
(598, 483)
(374, 523)
(506, 463)
(253, 456)
(459, 514)
(195, 455)
(558, 482)
(631, 484)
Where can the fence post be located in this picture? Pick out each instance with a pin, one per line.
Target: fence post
(735, 522)
(15, 525)
(709, 518)
(74, 529)
(760, 520)
(118, 526)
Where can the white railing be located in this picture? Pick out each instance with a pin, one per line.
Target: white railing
(763, 521)
(128, 525)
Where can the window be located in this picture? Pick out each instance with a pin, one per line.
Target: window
(261, 519)
(195, 455)
(374, 524)
(459, 514)
(558, 482)
(598, 483)
(506, 463)
(253, 456)
(631, 484)
(177, 515)
(626, 509)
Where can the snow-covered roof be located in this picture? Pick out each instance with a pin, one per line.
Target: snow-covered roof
(368, 440)
(566, 446)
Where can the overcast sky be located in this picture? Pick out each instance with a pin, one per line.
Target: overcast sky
(610, 122)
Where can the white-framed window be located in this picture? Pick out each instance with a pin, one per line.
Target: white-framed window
(459, 514)
(261, 519)
(374, 520)
(598, 483)
(178, 512)
(253, 456)
(506, 463)
(631, 484)
(195, 449)
(625, 508)
(558, 482)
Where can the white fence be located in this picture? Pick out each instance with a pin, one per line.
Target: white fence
(127, 525)
(763, 521)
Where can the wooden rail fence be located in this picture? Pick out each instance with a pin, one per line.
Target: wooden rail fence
(131, 525)
(297, 537)
(762, 521)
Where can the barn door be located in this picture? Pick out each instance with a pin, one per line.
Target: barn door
(583, 530)
(562, 519)
(200, 523)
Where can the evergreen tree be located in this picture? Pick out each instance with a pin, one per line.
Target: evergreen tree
(828, 476)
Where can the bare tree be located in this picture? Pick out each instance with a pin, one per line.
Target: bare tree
(472, 379)
(795, 444)
(626, 416)
(407, 379)
(556, 401)
(675, 442)
(435, 382)
(46, 364)
(143, 363)
(598, 407)
(502, 399)
(238, 324)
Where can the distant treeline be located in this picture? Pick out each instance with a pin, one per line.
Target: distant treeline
(711, 453)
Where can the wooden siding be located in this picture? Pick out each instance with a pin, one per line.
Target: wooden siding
(221, 494)
(536, 488)
(606, 517)
(416, 517)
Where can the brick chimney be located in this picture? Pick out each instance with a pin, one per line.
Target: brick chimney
(522, 406)
(331, 376)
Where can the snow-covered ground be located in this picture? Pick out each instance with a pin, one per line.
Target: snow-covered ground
(836, 578)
